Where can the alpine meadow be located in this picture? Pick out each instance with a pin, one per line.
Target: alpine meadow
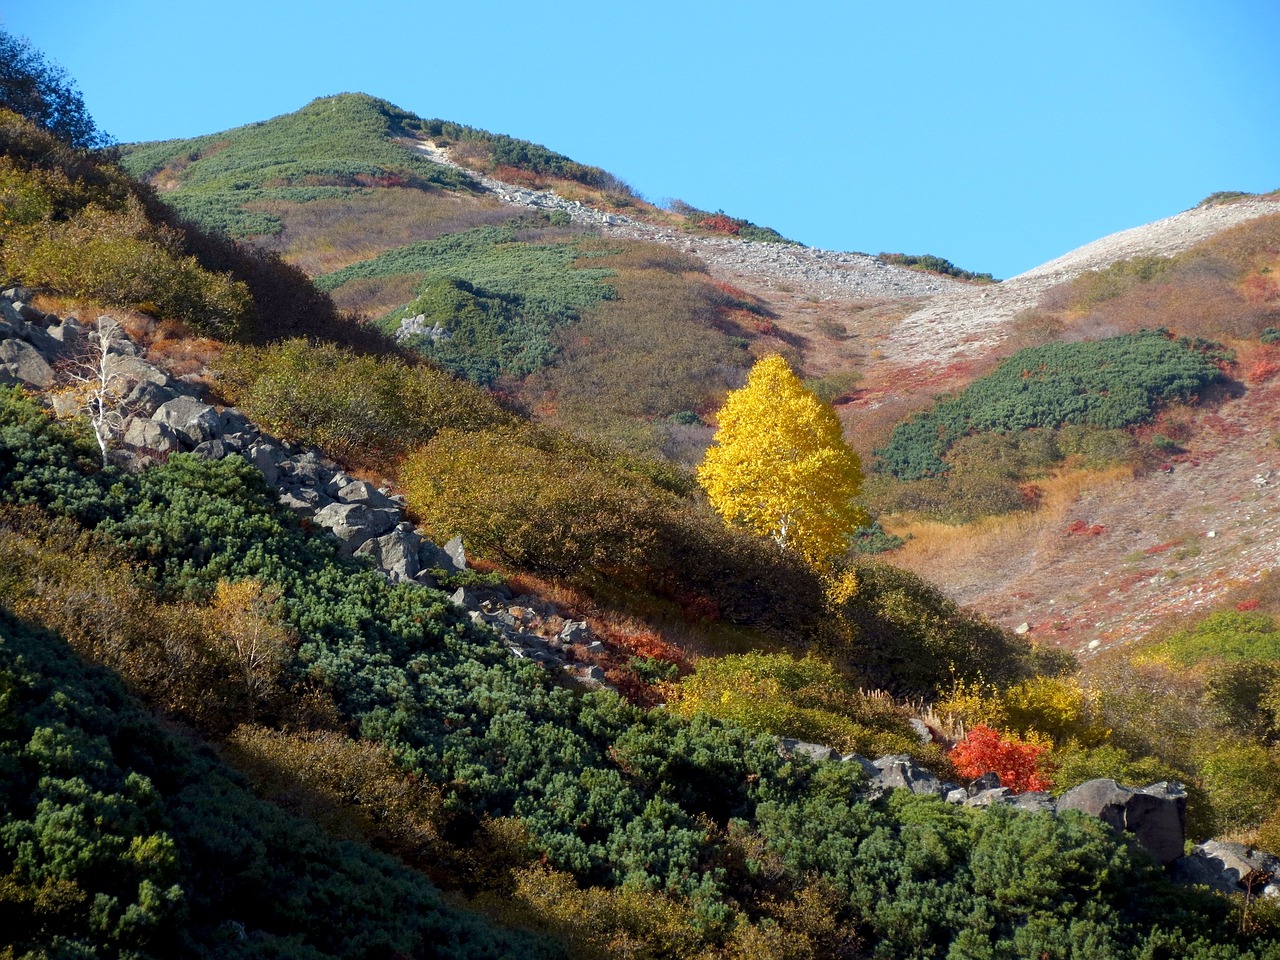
(416, 543)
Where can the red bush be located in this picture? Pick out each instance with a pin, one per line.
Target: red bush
(1246, 605)
(719, 223)
(1017, 764)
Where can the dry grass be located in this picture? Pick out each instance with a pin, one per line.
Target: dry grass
(935, 548)
(327, 235)
(375, 297)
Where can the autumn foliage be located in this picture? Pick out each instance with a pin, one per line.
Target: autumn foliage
(1018, 764)
(780, 466)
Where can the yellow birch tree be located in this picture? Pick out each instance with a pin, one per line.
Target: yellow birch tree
(780, 466)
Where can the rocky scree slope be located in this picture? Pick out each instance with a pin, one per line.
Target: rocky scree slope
(825, 273)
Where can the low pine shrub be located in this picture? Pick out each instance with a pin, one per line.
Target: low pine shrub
(1110, 384)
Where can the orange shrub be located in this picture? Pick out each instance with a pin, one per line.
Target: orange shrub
(1018, 764)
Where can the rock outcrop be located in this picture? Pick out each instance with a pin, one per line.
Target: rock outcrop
(161, 415)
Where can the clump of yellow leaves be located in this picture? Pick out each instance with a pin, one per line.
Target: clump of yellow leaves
(780, 465)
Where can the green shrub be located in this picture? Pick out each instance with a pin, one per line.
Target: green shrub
(512, 498)
(358, 407)
(338, 142)
(806, 699)
(1225, 637)
(1106, 383)
(901, 634)
(120, 259)
(931, 264)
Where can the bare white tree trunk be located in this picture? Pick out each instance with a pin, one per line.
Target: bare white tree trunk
(101, 391)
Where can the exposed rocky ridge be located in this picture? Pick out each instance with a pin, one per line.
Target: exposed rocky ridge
(826, 273)
(970, 320)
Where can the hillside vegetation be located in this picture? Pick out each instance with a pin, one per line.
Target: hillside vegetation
(221, 735)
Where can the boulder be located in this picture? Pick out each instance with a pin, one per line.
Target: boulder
(1035, 801)
(575, 631)
(266, 456)
(352, 523)
(395, 553)
(210, 450)
(456, 554)
(337, 482)
(121, 363)
(798, 748)
(362, 491)
(190, 418)
(231, 420)
(463, 597)
(1230, 868)
(144, 434)
(987, 798)
(148, 397)
(29, 313)
(305, 468)
(70, 333)
(23, 364)
(1155, 815)
(899, 771)
(294, 503)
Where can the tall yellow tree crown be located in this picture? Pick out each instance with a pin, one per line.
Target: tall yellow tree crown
(780, 465)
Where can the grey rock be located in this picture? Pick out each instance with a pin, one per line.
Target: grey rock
(70, 333)
(593, 674)
(65, 405)
(210, 450)
(24, 364)
(900, 771)
(337, 482)
(575, 631)
(923, 733)
(362, 491)
(192, 419)
(38, 337)
(456, 553)
(1035, 801)
(1227, 867)
(799, 748)
(988, 781)
(238, 442)
(29, 313)
(144, 434)
(231, 420)
(305, 468)
(295, 503)
(7, 330)
(395, 553)
(503, 620)
(1155, 815)
(123, 364)
(989, 797)
(426, 580)
(958, 795)
(311, 496)
(147, 397)
(352, 523)
(463, 597)
(266, 457)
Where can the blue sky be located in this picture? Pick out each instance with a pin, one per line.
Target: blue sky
(998, 135)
